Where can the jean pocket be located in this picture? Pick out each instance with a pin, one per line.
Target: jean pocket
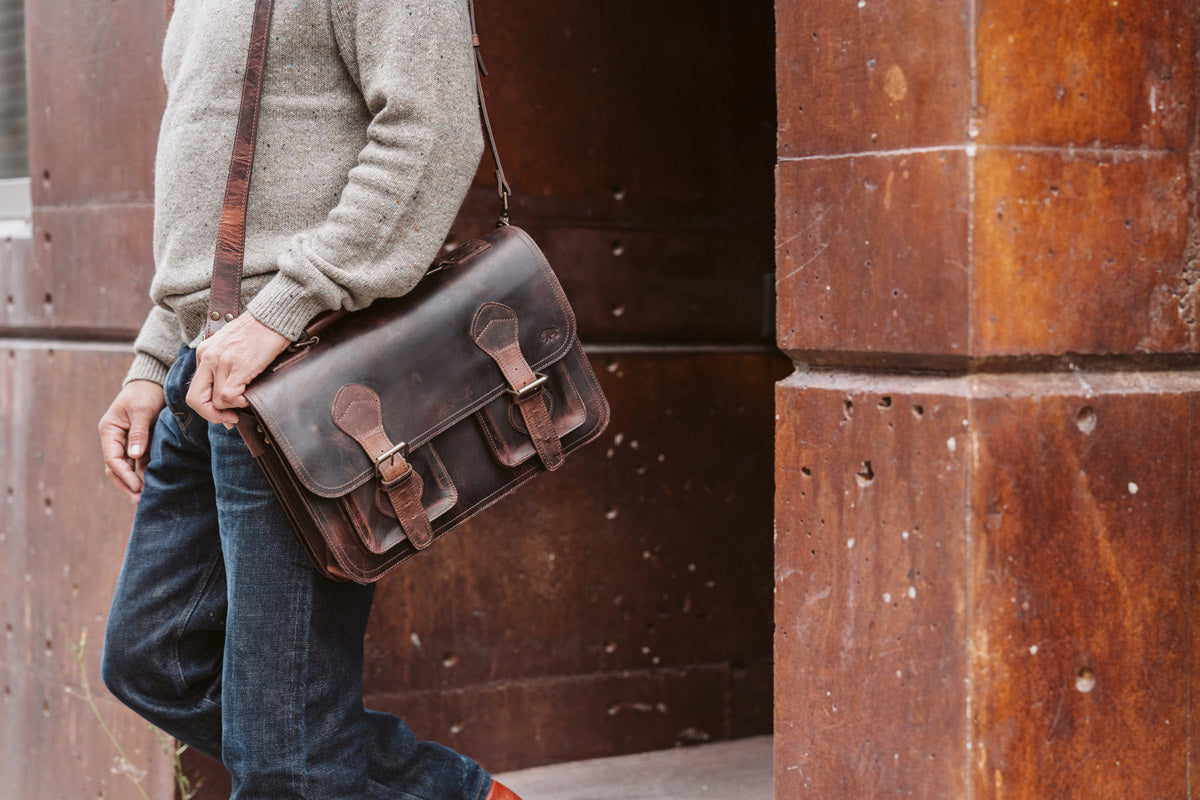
(175, 389)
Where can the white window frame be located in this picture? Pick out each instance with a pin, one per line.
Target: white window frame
(16, 209)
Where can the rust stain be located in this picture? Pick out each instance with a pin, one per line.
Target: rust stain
(895, 86)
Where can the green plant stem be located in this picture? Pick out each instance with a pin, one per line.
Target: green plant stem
(126, 764)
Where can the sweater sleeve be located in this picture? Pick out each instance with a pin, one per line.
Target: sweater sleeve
(414, 65)
(155, 347)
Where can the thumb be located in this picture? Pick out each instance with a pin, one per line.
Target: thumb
(138, 439)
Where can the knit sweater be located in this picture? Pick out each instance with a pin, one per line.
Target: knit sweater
(368, 139)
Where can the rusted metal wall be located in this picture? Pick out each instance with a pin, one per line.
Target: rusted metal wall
(72, 296)
(620, 605)
(986, 509)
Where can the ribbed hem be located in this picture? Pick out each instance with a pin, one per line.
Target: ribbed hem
(146, 368)
(285, 306)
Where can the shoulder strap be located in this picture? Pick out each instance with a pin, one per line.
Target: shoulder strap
(502, 188)
(224, 301)
(225, 298)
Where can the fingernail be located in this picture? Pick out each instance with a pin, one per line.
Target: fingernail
(135, 450)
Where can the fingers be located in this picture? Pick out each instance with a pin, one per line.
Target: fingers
(120, 484)
(227, 362)
(117, 466)
(125, 434)
(200, 396)
(141, 423)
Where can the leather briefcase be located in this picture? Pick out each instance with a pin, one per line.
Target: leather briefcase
(387, 427)
(397, 423)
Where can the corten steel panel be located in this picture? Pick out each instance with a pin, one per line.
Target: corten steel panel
(62, 534)
(649, 549)
(1081, 571)
(1193, 556)
(870, 659)
(514, 725)
(1079, 253)
(666, 285)
(872, 256)
(853, 77)
(61, 752)
(1100, 73)
(630, 110)
(15, 256)
(95, 97)
(665, 282)
(638, 140)
(91, 269)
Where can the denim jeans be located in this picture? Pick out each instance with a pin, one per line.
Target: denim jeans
(223, 635)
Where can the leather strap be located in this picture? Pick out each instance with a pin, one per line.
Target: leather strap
(503, 190)
(495, 330)
(225, 298)
(357, 413)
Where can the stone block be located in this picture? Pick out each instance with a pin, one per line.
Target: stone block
(1083, 253)
(872, 257)
(868, 76)
(1090, 74)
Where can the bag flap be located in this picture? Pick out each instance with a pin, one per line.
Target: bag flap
(416, 352)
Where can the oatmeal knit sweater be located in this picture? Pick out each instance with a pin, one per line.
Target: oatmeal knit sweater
(368, 139)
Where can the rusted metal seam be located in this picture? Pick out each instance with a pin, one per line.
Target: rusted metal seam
(677, 349)
(1194, 168)
(968, 533)
(675, 671)
(1014, 384)
(972, 147)
(719, 224)
(33, 343)
(89, 204)
(1191, 561)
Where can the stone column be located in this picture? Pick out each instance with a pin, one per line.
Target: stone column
(986, 267)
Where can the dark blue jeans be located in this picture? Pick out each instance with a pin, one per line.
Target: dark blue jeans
(224, 636)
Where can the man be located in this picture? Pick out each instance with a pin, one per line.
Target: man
(221, 633)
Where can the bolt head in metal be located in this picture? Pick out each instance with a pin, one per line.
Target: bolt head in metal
(229, 317)
(216, 315)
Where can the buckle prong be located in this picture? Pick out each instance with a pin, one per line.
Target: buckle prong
(534, 385)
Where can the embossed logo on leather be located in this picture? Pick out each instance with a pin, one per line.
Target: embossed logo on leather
(550, 335)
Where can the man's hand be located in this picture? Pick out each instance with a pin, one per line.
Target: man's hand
(227, 362)
(125, 434)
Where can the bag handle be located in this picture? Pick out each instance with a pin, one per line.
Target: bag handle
(224, 302)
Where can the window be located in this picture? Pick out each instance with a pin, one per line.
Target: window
(14, 138)
(14, 131)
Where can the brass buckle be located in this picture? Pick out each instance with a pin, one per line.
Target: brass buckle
(390, 456)
(304, 344)
(533, 386)
(503, 221)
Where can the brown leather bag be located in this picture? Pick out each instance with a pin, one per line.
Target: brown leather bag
(388, 427)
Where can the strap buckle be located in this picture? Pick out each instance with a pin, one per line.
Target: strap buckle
(529, 389)
(390, 457)
(503, 221)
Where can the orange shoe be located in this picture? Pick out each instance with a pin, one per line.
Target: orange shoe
(501, 792)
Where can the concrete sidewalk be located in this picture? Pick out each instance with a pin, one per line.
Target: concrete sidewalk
(738, 770)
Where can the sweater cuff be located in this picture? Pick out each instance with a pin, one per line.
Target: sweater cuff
(285, 306)
(146, 368)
